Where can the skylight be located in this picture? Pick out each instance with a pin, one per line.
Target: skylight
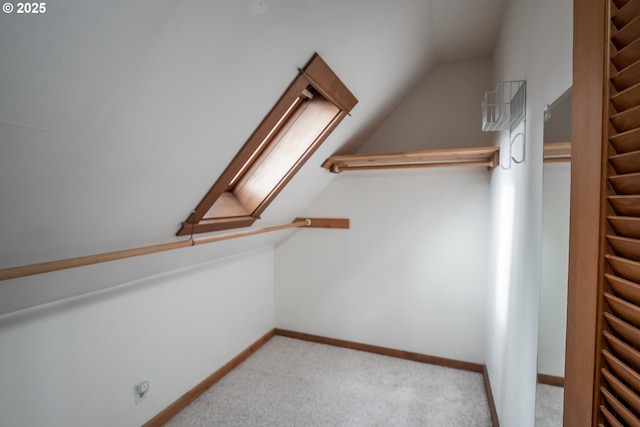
(308, 111)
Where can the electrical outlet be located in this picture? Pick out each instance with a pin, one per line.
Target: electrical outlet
(141, 390)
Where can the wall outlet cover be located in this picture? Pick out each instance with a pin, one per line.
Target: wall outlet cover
(140, 391)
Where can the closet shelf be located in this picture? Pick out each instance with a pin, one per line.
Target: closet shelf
(557, 151)
(476, 156)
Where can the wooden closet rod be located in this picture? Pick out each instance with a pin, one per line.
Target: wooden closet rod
(45, 267)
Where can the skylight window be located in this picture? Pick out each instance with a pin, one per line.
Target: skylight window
(309, 110)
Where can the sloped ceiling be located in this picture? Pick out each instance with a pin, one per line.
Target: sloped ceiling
(116, 117)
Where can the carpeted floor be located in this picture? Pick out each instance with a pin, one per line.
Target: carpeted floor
(290, 382)
(549, 400)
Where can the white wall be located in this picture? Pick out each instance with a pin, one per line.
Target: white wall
(411, 272)
(555, 268)
(430, 117)
(535, 45)
(75, 362)
(116, 119)
(31, 291)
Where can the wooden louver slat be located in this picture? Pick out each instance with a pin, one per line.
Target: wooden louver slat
(628, 33)
(609, 417)
(625, 205)
(625, 268)
(627, 13)
(629, 333)
(625, 247)
(628, 184)
(626, 99)
(629, 418)
(624, 351)
(617, 370)
(624, 288)
(623, 309)
(625, 393)
(626, 77)
(626, 162)
(627, 56)
(620, 3)
(626, 226)
(627, 141)
(629, 376)
(626, 120)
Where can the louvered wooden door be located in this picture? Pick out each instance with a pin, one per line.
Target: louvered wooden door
(618, 364)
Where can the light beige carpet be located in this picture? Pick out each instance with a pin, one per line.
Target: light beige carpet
(297, 383)
(549, 400)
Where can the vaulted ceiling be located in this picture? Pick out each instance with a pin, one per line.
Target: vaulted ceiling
(116, 117)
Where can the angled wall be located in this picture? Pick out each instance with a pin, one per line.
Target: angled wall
(442, 111)
(75, 362)
(411, 272)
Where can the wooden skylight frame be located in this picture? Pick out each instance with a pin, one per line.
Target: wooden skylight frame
(304, 116)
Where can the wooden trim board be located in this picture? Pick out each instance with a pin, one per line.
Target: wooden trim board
(589, 41)
(400, 354)
(385, 351)
(184, 401)
(492, 404)
(551, 380)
